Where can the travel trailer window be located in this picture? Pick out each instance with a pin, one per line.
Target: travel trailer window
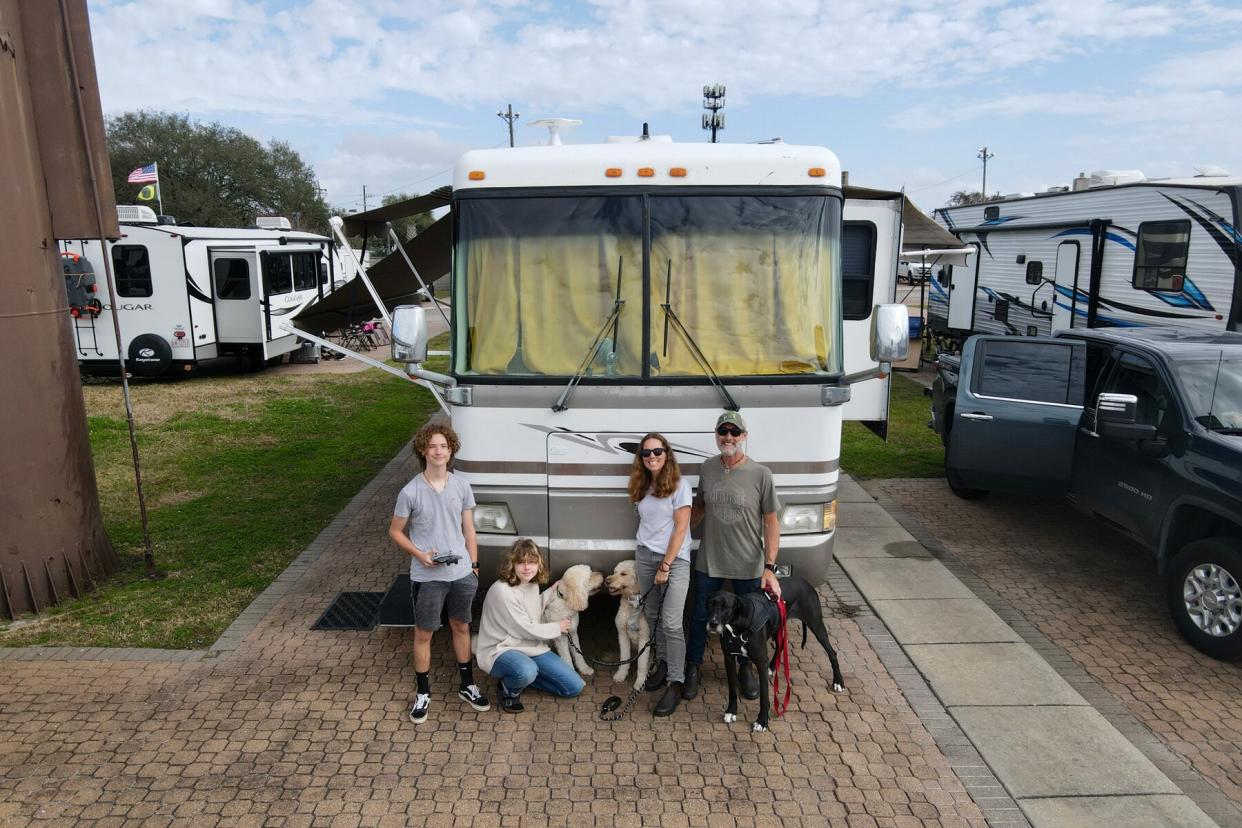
(1030, 371)
(132, 269)
(232, 278)
(304, 270)
(1160, 255)
(857, 268)
(277, 274)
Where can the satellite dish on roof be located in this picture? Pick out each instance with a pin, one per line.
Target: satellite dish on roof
(555, 125)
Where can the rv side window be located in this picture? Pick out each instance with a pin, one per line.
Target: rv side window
(857, 268)
(304, 270)
(277, 274)
(232, 278)
(132, 269)
(1160, 255)
(1030, 371)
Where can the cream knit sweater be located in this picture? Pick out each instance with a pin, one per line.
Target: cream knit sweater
(510, 621)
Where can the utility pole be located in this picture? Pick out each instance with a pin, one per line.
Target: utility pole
(509, 116)
(713, 102)
(985, 155)
(364, 198)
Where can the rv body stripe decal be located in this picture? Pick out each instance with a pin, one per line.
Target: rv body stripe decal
(192, 288)
(1113, 237)
(619, 469)
(1229, 246)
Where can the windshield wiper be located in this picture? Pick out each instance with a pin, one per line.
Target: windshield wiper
(671, 316)
(613, 319)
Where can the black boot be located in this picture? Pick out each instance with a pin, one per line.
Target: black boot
(656, 680)
(748, 680)
(668, 702)
(690, 688)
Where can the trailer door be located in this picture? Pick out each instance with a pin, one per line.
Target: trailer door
(962, 293)
(1065, 302)
(235, 288)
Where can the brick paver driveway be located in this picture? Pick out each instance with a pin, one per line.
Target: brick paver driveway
(298, 728)
(1098, 596)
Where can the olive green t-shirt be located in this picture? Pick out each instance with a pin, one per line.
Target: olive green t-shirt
(735, 502)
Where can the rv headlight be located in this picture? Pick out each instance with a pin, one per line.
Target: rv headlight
(493, 518)
(804, 518)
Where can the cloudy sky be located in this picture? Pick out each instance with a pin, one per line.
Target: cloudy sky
(388, 93)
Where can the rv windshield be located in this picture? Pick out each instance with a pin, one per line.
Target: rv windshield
(751, 278)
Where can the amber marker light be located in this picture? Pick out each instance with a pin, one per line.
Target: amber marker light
(613, 172)
(816, 172)
(477, 175)
(677, 172)
(646, 172)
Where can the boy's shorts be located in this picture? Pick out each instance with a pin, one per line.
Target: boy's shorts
(430, 598)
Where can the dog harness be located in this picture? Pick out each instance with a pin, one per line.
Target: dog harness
(763, 609)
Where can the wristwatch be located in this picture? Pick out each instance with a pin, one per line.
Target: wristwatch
(770, 567)
(474, 564)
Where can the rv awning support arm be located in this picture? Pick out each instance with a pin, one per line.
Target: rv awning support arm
(426, 287)
(362, 273)
(427, 379)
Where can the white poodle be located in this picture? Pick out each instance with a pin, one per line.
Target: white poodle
(565, 599)
(632, 627)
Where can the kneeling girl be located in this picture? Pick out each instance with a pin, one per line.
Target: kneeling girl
(513, 642)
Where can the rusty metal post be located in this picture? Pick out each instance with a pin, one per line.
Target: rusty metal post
(49, 504)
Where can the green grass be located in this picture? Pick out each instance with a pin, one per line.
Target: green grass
(240, 474)
(912, 450)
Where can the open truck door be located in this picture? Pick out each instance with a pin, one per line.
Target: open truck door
(1016, 415)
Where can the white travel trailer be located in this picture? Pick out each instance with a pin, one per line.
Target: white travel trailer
(600, 292)
(187, 294)
(1120, 251)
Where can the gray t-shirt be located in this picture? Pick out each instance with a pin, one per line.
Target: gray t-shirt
(735, 502)
(435, 523)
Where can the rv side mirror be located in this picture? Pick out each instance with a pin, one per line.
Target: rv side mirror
(409, 334)
(890, 333)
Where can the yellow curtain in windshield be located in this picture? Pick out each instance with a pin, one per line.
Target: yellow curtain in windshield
(545, 299)
(754, 303)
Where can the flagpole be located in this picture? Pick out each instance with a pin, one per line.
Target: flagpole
(158, 198)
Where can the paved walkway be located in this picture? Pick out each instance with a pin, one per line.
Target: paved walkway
(279, 725)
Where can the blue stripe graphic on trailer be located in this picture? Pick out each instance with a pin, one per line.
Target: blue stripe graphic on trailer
(996, 222)
(1113, 304)
(1086, 231)
(937, 289)
(194, 290)
(1226, 244)
(1229, 229)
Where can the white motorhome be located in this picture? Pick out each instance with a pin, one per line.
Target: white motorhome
(187, 294)
(1120, 251)
(600, 292)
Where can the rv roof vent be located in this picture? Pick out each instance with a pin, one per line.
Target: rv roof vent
(135, 214)
(1061, 189)
(166, 219)
(273, 223)
(1111, 178)
(1081, 182)
(1211, 171)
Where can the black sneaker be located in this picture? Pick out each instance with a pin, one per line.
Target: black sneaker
(656, 680)
(690, 687)
(474, 697)
(509, 704)
(422, 703)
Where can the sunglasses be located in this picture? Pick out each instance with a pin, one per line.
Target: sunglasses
(729, 431)
(651, 452)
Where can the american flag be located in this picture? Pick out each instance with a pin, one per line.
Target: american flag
(143, 175)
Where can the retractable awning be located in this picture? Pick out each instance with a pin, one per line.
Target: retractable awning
(373, 223)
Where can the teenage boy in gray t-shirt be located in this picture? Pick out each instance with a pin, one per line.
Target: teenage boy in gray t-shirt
(434, 518)
(737, 505)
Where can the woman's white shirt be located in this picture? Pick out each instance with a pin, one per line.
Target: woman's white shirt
(655, 519)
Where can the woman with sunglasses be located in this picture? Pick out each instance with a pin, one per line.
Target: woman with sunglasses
(663, 498)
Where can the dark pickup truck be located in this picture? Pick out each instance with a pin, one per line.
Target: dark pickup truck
(1140, 428)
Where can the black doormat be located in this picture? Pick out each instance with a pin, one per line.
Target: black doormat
(351, 611)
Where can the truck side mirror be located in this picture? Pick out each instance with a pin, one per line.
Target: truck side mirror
(409, 334)
(890, 333)
(1115, 416)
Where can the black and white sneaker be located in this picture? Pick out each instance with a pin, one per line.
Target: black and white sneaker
(474, 697)
(422, 703)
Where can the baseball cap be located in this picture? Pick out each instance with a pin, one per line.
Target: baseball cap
(732, 418)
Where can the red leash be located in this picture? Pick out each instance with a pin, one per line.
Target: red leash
(782, 657)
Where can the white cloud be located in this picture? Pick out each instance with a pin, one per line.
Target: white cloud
(406, 162)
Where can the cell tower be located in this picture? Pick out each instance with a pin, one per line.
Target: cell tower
(713, 102)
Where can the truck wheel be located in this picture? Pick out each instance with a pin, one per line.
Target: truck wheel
(955, 484)
(1205, 596)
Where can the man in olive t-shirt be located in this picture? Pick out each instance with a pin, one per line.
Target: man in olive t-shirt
(736, 502)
